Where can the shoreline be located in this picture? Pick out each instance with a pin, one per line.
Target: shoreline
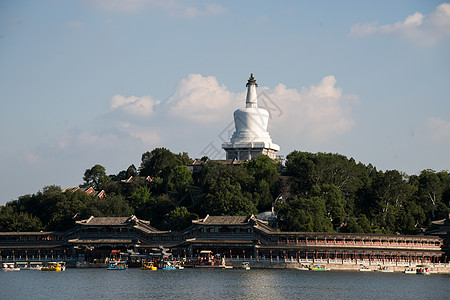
(330, 266)
(374, 267)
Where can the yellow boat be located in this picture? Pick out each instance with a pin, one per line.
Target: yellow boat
(149, 266)
(54, 266)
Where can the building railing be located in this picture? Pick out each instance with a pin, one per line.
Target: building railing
(356, 244)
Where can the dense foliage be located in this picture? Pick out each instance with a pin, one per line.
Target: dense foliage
(321, 192)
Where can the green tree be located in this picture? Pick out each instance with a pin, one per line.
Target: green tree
(95, 177)
(304, 214)
(141, 197)
(352, 226)
(431, 187)
(111, 206)
(160, 161)
(226, 190)
(180, 218)
(265, 182)
(11, 221)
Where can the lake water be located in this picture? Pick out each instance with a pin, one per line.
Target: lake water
(220, 284)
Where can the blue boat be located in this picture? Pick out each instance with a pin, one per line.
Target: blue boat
(168, 266)
(117, 265)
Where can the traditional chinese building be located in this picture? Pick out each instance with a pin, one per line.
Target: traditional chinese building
(231, 236)
(251, 137)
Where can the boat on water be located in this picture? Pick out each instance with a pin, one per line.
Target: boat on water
(34, 265)
(213, 266)
(385, 270)
(10, 267)
(149, 266)
(365, 269)
(117, 266)
(423, 271)
(318, 268)
(209, 261)
(245, 265)
(54, 266)
(167, 265)
(409, 271)
(179, 265)
(22, 265)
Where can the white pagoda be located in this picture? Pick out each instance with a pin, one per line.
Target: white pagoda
(251, 137)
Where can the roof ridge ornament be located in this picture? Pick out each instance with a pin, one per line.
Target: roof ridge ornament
(251, 80)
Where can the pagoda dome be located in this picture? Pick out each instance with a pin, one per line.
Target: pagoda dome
(251, 137)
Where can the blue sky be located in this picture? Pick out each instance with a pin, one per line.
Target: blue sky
(101, 82)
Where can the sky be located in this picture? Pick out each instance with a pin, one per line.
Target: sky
(102, 82)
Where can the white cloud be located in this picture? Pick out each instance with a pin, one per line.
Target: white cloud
(137, 106)
(439, 130)
(317, 112)
(422, 29)
(148, 137)
(201, 99)
(174, 8)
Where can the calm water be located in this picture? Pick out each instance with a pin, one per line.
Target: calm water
(220, 284)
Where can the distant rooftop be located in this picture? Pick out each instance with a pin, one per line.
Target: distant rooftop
(223, 220)
(111, 221)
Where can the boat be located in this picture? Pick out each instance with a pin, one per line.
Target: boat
(179, 265)
(168, 266)
(409, 271)
(10, 267)
(318, 268)
(208, 261)
(23, 265)
(149, 266)
(423, 271)
(36, 265)
(245, 265)
(385, 270)
(365, 269)
(117, 266)
(54, 266)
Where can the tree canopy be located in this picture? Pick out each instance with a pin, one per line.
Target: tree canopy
(320, 192)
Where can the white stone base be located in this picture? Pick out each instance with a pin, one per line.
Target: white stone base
(247, 151)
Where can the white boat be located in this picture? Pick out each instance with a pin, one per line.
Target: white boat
(23, 265)
(410, 271)
(385, 270)
(365, 269)
(10, 267)
(178, 265)
(33, 265)
(245, 265)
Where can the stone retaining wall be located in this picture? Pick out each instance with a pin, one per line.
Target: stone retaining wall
(445, 269)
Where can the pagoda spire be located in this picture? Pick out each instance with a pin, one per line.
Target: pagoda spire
(251, 100)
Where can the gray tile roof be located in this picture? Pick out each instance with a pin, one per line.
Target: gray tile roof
(103, 221)
(222, 220)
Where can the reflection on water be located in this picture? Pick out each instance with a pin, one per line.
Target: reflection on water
(220, 284)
